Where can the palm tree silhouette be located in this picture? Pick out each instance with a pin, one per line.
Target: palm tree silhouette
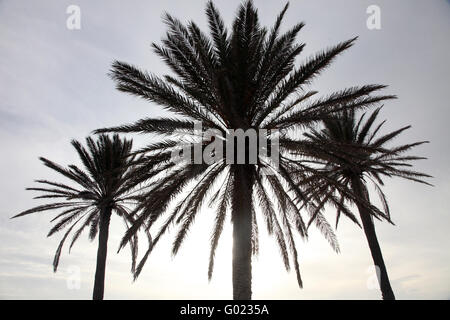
(243, 79)
(354, 153)
(102, 187)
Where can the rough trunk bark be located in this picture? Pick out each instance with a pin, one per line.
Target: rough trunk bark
(99, 283)
(375, 250)
(242, 234)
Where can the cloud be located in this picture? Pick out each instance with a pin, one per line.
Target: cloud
(53, 87)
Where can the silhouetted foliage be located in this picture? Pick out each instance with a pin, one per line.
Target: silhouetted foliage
(352, 152)
(102, 186)
(244, 78)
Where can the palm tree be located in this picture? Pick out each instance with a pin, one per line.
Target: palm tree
(102, 187)
(354, 154)
(245, 78)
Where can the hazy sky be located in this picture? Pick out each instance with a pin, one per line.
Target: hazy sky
(53, 87)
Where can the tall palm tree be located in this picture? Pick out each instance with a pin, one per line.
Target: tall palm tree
(245, 78)
(101, 188)
(354, 153)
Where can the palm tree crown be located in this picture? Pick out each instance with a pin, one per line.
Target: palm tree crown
(351, 148)
(245, 78)
(353, 152)
(101, 187)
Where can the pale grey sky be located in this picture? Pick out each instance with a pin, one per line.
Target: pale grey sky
(53, 87)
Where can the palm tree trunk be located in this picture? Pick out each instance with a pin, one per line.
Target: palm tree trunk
(99, 283)
(375, 250)
(242, 234)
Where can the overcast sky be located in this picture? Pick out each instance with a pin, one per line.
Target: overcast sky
(54, 87)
